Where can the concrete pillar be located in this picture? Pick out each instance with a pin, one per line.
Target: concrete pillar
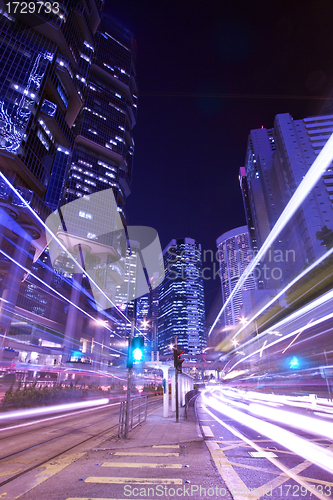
(180, 383)
(71, 323)
(98, 352)
(165, 370)
(184, 382)
(173, 390)
(12, 286)
(70, 328)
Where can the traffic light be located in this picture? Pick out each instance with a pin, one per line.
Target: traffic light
(135, 351)
(177, 352)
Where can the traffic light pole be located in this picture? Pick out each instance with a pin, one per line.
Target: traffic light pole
(176, 384)
(129, 377)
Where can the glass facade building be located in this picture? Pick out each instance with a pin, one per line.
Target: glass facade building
(234, 251)
(276, 162)
(181, 299)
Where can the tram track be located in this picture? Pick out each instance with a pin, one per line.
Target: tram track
(51, 456)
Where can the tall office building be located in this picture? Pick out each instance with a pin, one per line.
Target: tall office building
(181, 299)
(39, 89)
(276, 163)
(102, 158)
(234, 251)
(68, 105)
(104, 146)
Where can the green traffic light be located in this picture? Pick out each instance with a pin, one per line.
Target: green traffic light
(137, 354)
(294, 363)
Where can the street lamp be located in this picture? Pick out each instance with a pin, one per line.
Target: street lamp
(144, 324)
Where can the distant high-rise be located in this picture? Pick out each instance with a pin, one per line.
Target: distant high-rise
(181, 299)
(234, 250)
(276, 162)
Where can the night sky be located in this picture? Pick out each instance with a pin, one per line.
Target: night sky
(209, 72)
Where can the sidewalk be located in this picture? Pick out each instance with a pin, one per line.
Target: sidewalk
(157, 430)
(161, 458)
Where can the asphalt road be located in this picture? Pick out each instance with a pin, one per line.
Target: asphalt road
(267, 446)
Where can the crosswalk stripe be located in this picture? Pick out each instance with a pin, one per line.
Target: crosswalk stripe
(146, 454)
(133, 480)
(142, 464)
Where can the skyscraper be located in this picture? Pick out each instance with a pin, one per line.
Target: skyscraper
(104, 146)
(234, 251)
(181, 299)
(276, 162)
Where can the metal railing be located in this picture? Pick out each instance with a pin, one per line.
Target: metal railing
(137, 414)
(188, 398)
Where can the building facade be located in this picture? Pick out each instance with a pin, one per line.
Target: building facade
(276, 162)
(68, 106)
(181, 299)
(235, 253)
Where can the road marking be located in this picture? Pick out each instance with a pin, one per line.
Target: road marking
(50, 469)
(231, 478)
(262, 454)
(10, 472)
(165, 446)
(149, 465)
(266, 488)
(207, 431)
(261, 469)
(310, 479)
(133, 480)
(146, 454)
(274, 461)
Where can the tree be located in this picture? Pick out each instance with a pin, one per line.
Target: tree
(326, 237)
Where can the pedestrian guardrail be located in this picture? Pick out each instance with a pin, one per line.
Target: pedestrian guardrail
(137, 414)
(188, 398)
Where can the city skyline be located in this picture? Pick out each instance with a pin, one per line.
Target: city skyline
(190, 152)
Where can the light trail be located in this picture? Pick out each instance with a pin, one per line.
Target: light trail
(294, 340)
(284, 290)
(318, 167)
(51, 409)
(308, 450)
(317, 322)
(55, 418)
(36, 216)
(300, 422)
(63, 297)
(309, 307)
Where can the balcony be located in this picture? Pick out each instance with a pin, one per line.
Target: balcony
(56, 123)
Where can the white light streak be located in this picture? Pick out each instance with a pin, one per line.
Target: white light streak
(309, 450)
(319, 166)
